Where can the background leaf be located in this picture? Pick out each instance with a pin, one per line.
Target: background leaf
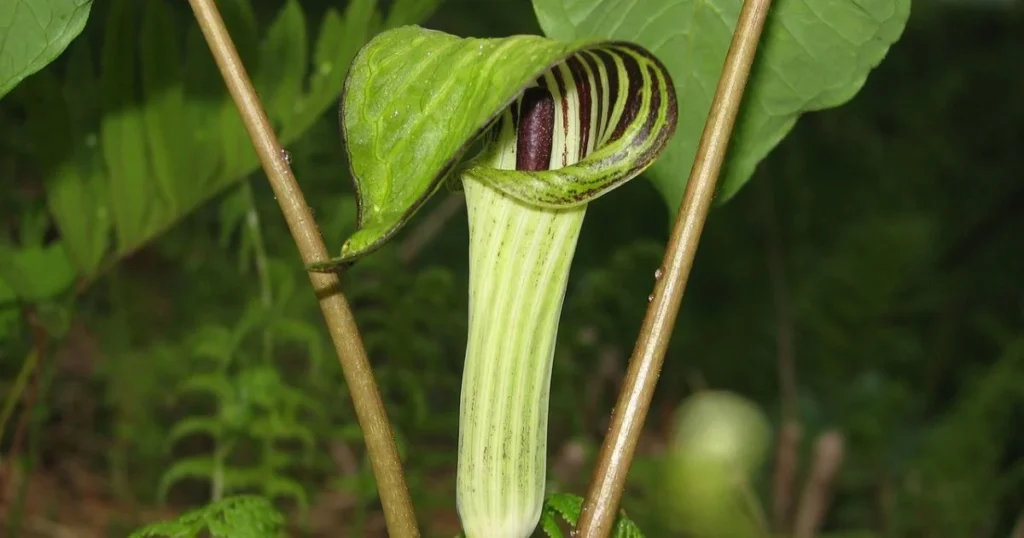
(814, 54)
(33, 33)
(283, 62)
(34, 273)
(243, 515)
(122, 130)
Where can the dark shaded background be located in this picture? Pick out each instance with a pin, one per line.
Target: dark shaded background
(880, 244)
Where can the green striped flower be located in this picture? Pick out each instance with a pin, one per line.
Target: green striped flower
(560, 125)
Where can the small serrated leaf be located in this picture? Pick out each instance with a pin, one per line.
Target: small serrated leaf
(568, 507)
(233, 517)
(549, 525)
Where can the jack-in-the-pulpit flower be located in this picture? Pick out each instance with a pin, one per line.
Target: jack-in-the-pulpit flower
(561, 125)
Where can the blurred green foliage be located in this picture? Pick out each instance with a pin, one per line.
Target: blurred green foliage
(180, 349)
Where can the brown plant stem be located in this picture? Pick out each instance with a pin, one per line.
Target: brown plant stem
(380, 444)
(605, 492)
(828, 458)
(783, 316)
(787, 460)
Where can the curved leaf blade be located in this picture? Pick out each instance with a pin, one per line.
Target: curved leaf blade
(415, 99)
(407, 118)
(814, 54)
(33, 33)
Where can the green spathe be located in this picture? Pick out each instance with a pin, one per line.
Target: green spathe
(560, 125)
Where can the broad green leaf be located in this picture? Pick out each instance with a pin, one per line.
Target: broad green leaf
(81, 78)
(283, 62)
(337, 43)
(240, 20)
(78, 192)
(204, 97)
(10, 317)
(63, 140)
(163, 111)
(33, 33)
(77, 199)
(123, 130)
(405, 12)
(238, 156)
(34, 273)
(414, 100)
(815, 54)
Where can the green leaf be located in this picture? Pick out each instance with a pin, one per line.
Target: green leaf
(34, 273)
(283, 62)
(568, 507)
(77, 199)
(416, 99)
(815, 54)
(240, 20)
(194, 425)
(237, 153)
(198, 467)
(76, 188)
(123, 132)
(33, 33)
(336, 45)
(164, 108)
(404, 12)
(243, 515)
(205, 95)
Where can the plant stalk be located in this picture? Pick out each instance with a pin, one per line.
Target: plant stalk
(519, 267)
(370, 411)
(604, 494)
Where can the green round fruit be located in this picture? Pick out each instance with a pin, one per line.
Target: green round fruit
(721, 441)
